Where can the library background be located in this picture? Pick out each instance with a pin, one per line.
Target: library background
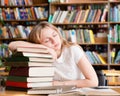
(93, 24)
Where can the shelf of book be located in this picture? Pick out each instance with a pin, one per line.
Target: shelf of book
(76, 23)
(113, 77)
(17, 17)
(27, 20)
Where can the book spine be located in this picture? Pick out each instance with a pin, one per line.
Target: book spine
(16, 84)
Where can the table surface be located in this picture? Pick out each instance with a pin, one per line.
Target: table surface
(87, 91)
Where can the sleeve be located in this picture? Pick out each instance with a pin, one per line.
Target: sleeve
(77, 52)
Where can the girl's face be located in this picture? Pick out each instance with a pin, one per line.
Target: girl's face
(50, 38)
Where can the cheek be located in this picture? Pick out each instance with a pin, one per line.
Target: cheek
(59, 40)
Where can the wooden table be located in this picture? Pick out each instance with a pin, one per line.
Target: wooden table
(96, 92)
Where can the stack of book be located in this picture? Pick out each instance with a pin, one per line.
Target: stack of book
(31, 68)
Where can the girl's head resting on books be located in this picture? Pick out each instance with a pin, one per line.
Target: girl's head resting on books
(47, 34)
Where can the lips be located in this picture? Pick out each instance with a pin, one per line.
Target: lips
(56, 45)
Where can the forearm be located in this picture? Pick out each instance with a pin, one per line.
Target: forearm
(78, 83)
(13, 45)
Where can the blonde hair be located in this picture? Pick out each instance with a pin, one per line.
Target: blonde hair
(35, 34)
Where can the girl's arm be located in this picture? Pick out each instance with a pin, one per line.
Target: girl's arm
(86, 68)
(13, 46)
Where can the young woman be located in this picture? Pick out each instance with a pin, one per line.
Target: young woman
(72, 65)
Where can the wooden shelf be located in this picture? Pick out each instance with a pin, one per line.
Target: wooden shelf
(115, 66)
(4, 73)
(90, 25)
(114, 83)
(100, 66)
(81, 2)
(114, 23)
(26, 20)
(93, 44)
(114, 43)
(84, 23)
(115, 2)
(25, 6)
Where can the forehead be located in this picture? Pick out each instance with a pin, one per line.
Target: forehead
(47, 31)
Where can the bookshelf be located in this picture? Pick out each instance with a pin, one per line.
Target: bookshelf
(77, 23)
(17, 18)
(102, 43)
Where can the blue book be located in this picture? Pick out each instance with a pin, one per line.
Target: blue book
(90, 15)
(115, 14)
(89, 57)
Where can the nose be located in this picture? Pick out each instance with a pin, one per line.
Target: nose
(53, 41)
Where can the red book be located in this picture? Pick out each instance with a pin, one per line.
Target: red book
(27, 84)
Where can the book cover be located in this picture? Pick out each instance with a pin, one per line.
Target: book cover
(32, 71)
(21, 64)
(58, 17)
(77, 15)
(86, 15)
(23, 59)
(28, 84)
(63, 16)
(96, 57)
(55, 14)
(11, 88)
(98, 15)
(102, 59)
(29, 79)
(33, 13)
(88, 54)
(31, 54)
(92, 38)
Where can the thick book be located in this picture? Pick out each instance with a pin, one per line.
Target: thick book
(31, 54)
(29, 79)
(51, 90)
(27, 84)
(32, 71)
(43, 91)
(11, 88)
(22, 58)
(29, 64)
(70, 93)
(31, 49)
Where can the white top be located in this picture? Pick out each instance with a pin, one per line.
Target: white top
(66, 64)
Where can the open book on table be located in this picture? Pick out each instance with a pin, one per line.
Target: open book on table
(52, 90)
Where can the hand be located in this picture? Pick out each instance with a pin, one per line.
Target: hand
(52, 52)
(49, 50)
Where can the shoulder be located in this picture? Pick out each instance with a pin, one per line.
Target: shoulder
(76, 48)
(77, 52)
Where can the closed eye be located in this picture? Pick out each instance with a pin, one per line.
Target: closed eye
(54, 35)
(47, 40)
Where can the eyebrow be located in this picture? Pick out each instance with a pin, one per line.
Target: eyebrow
(53, 32)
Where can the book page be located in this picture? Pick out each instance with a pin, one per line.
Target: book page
(104, 91)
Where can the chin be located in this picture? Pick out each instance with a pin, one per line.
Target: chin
(57, 49)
